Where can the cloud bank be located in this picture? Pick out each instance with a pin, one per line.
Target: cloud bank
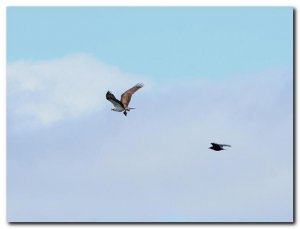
(45, 92)
(153, 165)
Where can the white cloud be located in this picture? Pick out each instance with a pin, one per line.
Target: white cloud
(45, 92)
(154, 164)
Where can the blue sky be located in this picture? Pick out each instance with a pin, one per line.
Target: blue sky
(211, 75)
(215, 42)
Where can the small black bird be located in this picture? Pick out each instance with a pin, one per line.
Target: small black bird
(218, 147)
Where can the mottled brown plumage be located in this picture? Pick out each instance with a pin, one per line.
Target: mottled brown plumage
(122, 106)
(126, 96)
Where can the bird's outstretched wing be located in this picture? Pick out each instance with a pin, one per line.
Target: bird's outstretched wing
(225, 145)
(111, 98)
(126, 96)
(214, 144)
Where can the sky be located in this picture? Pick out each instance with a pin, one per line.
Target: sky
(211, 75)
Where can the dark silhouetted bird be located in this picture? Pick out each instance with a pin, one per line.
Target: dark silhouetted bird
(218, 147)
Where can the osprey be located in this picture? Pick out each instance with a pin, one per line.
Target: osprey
(122, 106)
(218, 147)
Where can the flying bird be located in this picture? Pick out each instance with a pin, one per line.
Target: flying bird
(218, 147)
(122, 106)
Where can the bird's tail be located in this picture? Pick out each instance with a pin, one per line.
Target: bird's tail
(129, 108)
